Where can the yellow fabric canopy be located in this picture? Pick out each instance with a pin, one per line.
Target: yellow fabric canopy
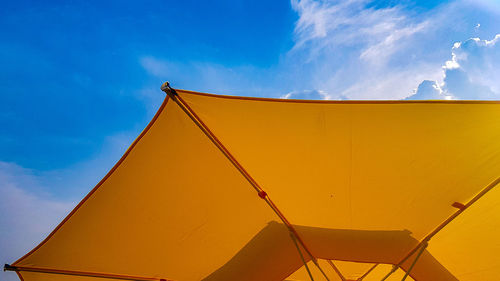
(235, 188)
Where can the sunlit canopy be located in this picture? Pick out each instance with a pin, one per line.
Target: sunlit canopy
(362, 183)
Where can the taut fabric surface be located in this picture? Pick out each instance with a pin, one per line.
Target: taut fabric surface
(362, 183)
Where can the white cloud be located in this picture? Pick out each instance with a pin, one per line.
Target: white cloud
(344, 49)
(429, 90)
(350, 49)
(33, 202)
(381, 51)
(210, 77)
(355, 50)
(324, 26)
(491, 5)
(473, 72)
(311, 95)
(480, 60)
(156, 67)
(27, 216)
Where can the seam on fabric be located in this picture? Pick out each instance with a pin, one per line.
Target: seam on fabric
(100, 183)
(343, 101)
(20, 276)
(351, 163)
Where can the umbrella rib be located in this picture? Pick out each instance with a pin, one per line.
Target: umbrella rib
(336, 270)
(262, 194)
(82, 273)
(368, 272)
(301, 256)
(422, 249)
(478, 196)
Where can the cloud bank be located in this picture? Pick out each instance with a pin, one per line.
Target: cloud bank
(359, 50)
(473, 72)
(356, 51)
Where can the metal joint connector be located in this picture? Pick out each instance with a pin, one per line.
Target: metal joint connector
(168, 90)
(8, 267)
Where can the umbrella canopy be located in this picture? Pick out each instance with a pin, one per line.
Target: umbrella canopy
(237, 188)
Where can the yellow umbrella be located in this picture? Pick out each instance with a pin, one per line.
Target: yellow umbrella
(238, 188)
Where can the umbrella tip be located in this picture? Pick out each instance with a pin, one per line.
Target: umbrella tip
(165, 86)
(168, 90)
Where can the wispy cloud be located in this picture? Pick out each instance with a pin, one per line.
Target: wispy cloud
(28, 214)
(391, 42)
(33, 202)
(342, 50)
(351, 49)
(356, 50)
(311, 95)
(324, 26)
(211, 77)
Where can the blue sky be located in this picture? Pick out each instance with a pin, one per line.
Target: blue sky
(80, 79)
(80, 64)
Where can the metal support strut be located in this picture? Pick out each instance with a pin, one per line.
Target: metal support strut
(301, 256)
(335, 268)
(260, 192)
(8, 267)
(461, 208)
(395, 267)
(422, 249)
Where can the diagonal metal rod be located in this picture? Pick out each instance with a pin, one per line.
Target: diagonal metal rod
(478, 196)
(422, 249)
(394, 268)
(204, 128)
(336, 269)
(18, 269)
(301, 256)
(315, 261)
(172, 93)
(368, 272)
